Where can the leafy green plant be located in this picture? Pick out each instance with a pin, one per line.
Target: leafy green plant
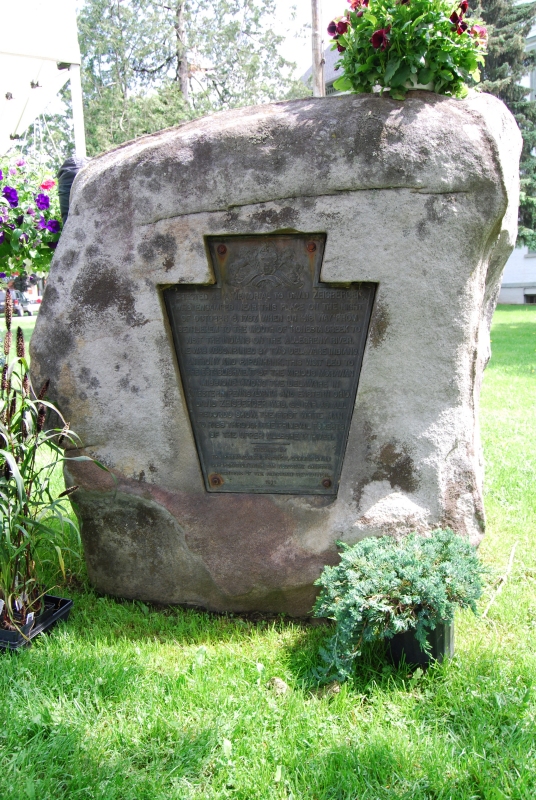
(385, 586)
(404, 44)
(34, 525)
(30, 220)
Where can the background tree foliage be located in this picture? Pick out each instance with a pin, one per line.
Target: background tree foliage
(150, 64)
(509, 24)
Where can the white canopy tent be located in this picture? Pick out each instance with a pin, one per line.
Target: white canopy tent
(39, 53)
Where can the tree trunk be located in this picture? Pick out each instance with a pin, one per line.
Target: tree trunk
(182, 61)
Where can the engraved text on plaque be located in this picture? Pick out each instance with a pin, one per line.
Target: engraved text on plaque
(270, 359)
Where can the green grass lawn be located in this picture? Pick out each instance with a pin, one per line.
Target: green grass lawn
(127, 702)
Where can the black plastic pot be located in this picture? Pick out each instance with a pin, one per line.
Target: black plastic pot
(56, 609)
(404, 646)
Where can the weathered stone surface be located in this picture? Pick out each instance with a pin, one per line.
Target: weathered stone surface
(418, 197)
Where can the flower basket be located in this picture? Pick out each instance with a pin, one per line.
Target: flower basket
(29, 219)
(398, 45)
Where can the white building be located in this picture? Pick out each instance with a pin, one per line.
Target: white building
(519, 279)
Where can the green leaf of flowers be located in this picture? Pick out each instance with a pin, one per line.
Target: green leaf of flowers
(443, 57)
(392, 66)
(401, 76)
(343, 84)
(425, 75)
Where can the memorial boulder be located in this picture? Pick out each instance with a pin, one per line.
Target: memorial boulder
(271, 326)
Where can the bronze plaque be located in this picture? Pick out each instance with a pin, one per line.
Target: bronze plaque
(270, 359)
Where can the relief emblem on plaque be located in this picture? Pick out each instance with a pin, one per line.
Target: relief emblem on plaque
(269, 359)
(268, 268)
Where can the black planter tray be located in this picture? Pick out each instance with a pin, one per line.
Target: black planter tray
(56, 609)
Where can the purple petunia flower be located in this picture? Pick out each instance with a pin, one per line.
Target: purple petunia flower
(1, 175)
(12, 171)
(20, 163)
(52, 245)
(53, 226)
(41, 223)
(42, 202)
(3, 275)
(2, 237)
(31, 212)
(11, 196)
(19, 220)
(4, 214)
(24, 238)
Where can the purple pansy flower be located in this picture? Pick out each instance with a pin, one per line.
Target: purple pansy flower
(53, 226)
(42, 202)
(380, 38)
(11, 196)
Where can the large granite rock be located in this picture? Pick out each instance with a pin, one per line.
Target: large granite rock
(419, 197)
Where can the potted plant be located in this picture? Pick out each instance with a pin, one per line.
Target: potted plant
(35, 526)
(403, 591)
(29, 218)
(397, 45)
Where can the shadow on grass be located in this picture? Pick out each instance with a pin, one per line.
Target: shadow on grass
(372, 667)
(106, 620)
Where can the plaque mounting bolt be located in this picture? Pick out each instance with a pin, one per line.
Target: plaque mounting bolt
(311, 247)
(326, 483)
(215, 480)
(221, 249)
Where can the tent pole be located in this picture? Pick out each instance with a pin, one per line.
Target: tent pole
(78, 111)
